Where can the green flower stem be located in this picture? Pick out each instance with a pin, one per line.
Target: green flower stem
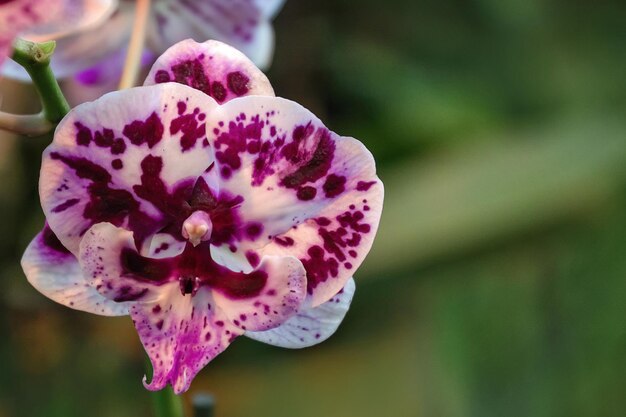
(35, 58)
(165, 403)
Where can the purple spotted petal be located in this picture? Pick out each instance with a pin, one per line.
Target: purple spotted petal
(306, 192)
(111, 264)
(131, 158)
(100, 45)
(244, 24)
(164, 245)
(212, 67)
(310, 326)
(281, 298)
(55, 272)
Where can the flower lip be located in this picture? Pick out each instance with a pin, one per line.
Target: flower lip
(189, 284)
(194, 268)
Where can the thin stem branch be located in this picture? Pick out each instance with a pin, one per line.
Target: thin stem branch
(28, 124)
(135, 47)
(35, 58)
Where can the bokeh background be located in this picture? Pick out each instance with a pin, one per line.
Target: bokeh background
(497, 284)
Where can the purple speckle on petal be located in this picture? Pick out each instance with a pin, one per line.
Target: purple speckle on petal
(84, 135)
(284, 241)
(334, 185)
(149, 131)
(218, 91)
(254, 230)
(51, 241)
(253, 258)
(364, 186)
(162, 76)
(306, 193)
(238, 83)
(117, 164)
(65, 205)
(316, 166)
(192, 130)
(118, 146)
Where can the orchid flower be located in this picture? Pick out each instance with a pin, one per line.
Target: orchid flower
(100, 31)
(41, 20)
(206, 208)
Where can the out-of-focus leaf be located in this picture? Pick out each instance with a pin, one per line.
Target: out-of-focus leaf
(395, 104)
(474, 195)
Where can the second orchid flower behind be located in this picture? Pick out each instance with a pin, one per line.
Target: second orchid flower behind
(92, 35)
(206, 208)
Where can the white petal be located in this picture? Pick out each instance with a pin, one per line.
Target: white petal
(83, 50)
(260, 48)
(281, 297)
(269, 8)
(74, 16)
(311, 326)
(163, 245)
(111, 264)
(55, 273)
(242, 24)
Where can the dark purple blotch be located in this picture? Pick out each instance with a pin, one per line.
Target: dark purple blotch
(191, 128)
(364, 185)
(334, 185)
(149, 131)
(238, 83)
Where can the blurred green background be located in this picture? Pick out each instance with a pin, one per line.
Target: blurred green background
(497, 284)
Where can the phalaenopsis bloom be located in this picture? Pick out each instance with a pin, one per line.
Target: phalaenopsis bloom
(206, 208)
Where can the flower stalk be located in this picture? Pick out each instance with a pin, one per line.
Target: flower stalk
(167, 404)
(164, 402)
(25, 124)
(35, 58)
(135, 48)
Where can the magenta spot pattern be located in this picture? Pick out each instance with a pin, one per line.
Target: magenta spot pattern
(193, 73)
